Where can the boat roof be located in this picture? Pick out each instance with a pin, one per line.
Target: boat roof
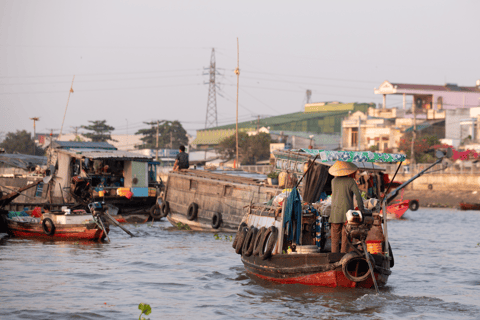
(106, 154)
(83, 145)
(23, 161)
(354, 156)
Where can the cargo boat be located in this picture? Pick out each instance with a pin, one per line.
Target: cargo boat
(207, 201)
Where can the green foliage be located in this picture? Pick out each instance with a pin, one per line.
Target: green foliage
(171, 134)
(422, 147)
(373, 148)
(250, 148)
(225, 238)
(181, 226)
(101, 132)
(20, 142)
(146, 309)
(273, 175)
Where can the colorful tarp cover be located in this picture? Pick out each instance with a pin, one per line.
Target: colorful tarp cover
(355, 156)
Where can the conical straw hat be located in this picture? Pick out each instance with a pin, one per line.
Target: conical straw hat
(342, 168)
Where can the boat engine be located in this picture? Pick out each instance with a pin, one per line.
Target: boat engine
(358, 224)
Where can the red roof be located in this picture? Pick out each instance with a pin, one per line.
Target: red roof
(429, 87)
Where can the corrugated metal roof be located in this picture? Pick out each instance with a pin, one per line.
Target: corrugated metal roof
(83, 144)
(23, 161)
(106, 154)
(423, 125)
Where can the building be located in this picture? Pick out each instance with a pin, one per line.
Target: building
(382, 129)
(324, 118)
(458, 106)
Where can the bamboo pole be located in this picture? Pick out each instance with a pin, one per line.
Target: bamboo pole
(64, 114)
(237, 72)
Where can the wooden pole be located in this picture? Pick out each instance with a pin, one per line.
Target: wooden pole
(68, 99)
(237, 72)
(156, 154)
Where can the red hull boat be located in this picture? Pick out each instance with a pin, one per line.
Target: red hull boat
(314, 270)
(86, 232)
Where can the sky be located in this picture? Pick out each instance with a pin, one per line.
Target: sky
(147, 60)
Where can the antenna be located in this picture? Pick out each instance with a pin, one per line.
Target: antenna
(211, 117)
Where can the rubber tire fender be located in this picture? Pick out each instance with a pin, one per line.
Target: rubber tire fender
(256, 244)
(268, 243)
(165, 208)
(192, 211)
(50, 232)
(240, 227)
(241, 239)
(247, 248)
(216, 220)
(155, 212)
(351, 256)
(390, 252)
(413, 205)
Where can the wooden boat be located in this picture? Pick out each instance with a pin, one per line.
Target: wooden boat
(51, 226)
(88, 172)
(469, 206)
(291, 245)
(207, 201)
(38, 230)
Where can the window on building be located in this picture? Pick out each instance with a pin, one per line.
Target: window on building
(439, 103)
(354, 136)
(385, 146)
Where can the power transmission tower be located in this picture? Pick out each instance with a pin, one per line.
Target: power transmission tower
(75, 129)
(211, 118)
(308, 95)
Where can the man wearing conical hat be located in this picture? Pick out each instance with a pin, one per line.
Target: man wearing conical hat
(343, 189)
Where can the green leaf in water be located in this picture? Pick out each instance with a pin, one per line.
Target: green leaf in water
(145, 308)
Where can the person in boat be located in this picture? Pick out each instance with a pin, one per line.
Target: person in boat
(181, 160)
(344, 188)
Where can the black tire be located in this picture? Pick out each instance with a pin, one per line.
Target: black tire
(192, 211)
(430, 186)
(165, 209)
(390, 252)
(241, 239)
(216, 220)
(268, 243)
(247, 248)
(155, 212)
(356, 263)
(413, 205)
(256, 244)
(240, 227)
(50, 232)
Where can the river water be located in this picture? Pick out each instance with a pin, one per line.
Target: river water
(192, 275)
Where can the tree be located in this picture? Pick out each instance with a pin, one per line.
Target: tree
(171, 134)
(250, 148)
(101, 131)
(20, 142)
(422, 147)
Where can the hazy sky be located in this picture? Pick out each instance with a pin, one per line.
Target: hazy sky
(143, 60)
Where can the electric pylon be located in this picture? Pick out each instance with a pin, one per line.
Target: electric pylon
(211, 118)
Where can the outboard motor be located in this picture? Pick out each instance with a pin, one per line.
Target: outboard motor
(358, 224)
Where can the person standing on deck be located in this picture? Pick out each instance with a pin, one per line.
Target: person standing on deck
(343, 189)
(181, 160)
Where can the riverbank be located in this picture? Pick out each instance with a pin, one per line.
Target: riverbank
(442, 199)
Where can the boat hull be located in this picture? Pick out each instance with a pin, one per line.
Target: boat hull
(320, 269)
(86, 232)
(214, 195)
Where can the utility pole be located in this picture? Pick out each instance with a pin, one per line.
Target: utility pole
(211, 117)
(414, 133)
(75, 129)
(156, 156)
(258, 123)
(171, 140)
(237, 72)
(34, 132)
